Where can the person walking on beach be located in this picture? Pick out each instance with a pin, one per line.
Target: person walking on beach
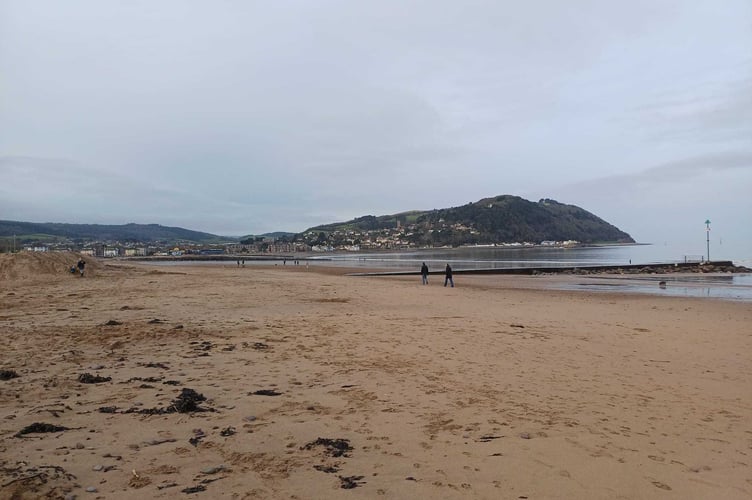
(81, 264)
(448, 278)
(424, 273)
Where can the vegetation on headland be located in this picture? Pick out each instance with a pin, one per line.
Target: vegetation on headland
(498, 220)
(502, 219)
(52, 231)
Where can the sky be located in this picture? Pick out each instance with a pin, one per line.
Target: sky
(243, 117)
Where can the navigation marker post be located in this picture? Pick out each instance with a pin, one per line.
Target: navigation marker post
(707, 230)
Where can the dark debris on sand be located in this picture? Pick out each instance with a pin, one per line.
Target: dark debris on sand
(334, 447)
(38, 427)
(487, 438)
(265, 392)
(198, 435)
(88, 378)
(200, 487)
(29, 478)
(203, 345)
(155, 365)
(194, 489)
(329, 469)
(186, 402)
(350, 482)
(150, 380)
(7, 374)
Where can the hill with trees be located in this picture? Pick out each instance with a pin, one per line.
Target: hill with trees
(52, 231)
(501, 219)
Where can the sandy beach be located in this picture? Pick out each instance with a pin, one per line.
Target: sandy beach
(302, 383)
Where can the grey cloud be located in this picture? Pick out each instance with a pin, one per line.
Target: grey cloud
(84, 194)
(677, 172)
(712, 113)
(689, 167)
(670, 201)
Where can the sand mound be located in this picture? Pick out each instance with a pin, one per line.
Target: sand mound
(26, 265)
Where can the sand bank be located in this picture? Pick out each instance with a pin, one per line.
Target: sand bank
(319, 385)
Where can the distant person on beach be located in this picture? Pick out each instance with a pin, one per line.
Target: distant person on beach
(448, 278)
(424, 273)
(81, 264)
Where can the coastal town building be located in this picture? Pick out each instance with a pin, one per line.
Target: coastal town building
(401, 236)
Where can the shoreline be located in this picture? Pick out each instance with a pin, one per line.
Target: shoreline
(684, 267)
(689, 280)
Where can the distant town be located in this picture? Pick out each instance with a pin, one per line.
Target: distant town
(400, 237)
(500, 221)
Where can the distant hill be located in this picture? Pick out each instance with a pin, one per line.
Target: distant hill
(501, 219)
(275, 235)
(51, 231)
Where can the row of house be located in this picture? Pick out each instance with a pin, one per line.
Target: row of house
(104, 250)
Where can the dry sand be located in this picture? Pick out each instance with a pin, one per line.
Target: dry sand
(487, 390)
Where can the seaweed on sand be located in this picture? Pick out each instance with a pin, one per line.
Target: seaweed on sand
(265, 392)
(334, 447)
(350, 482)
(39, 427)
(88, 378)
(186, 402)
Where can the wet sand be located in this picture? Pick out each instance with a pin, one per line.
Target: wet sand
(319, 385)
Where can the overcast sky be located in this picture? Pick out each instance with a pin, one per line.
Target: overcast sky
(238, 117)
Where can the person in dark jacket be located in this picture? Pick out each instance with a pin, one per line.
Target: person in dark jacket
(424, 273)
(81, 264)
(448, 278)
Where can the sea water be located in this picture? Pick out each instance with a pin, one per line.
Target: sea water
(511, 257)
(729, 286)
(736, 287)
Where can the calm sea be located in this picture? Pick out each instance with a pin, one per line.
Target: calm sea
(495, 257)
(727, 287)
(733, 287)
